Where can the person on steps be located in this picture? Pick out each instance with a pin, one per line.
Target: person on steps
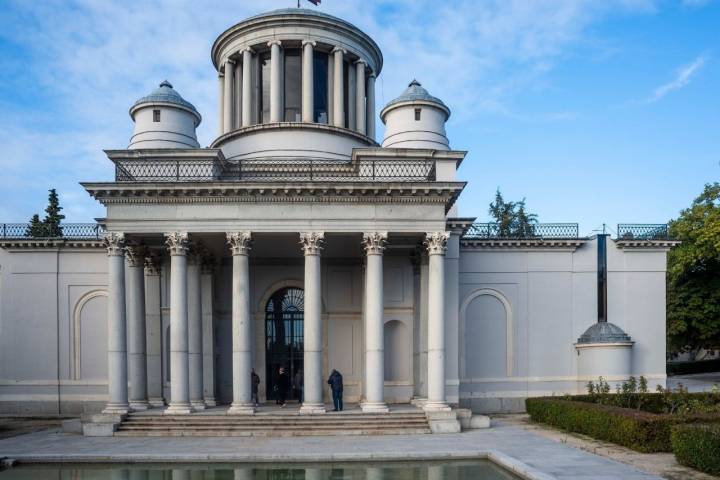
(283, 384)
(336, 385)
(255, 382)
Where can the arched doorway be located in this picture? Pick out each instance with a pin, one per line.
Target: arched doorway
(284, 316)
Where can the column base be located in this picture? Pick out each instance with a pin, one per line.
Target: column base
(241, 409)
(312, 409)
(178, 409)
(156, 402)
(418, 401)
(436, 406)
(374, 407)
(139, 405)
(116, 409)
(210, 402)
(198, 405)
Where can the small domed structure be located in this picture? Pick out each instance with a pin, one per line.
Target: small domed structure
(163, 119)
(604, 350)
(415, 119)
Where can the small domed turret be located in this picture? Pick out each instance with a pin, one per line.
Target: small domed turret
(415, 119)
(164, 119)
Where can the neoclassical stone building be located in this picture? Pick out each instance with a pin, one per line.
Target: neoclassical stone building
(295, 240)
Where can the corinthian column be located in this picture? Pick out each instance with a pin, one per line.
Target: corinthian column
(117, 339)
(338, 90)
(374, 244)
(241, 324)
(313, 382)
(370, 106)
(195, 337)
(360, 97)
(436, 243)
(308, 100)
(177, 243)
(136, 325)
(275, 82)
(208, 333)
(247, 103)
(153, 266)
(228, 97)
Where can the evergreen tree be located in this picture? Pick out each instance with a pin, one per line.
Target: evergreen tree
(511, 218)
(53, 216)
(36, 228)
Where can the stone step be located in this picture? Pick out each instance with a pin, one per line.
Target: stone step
(263, 421)
(200, 426)
(272, 433)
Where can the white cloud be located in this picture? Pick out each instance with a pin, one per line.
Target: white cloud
(682, 78)
(91, 59)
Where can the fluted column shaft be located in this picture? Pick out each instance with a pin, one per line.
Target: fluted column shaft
(308, 92)
(370, 106)
(247, 103)
(117, 335)
(195, 338)
(275, 82)
(436, 244)
(241, 324)
(136, 327)
(360, 122)
(374, 244)
(179, 368)
(338, 90)
(228, 96)
(312, 361)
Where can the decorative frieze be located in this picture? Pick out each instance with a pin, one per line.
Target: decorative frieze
(436, 242)
(115, 243)
(374, 242)
(240, 242)
(177, 243)
(311, 242)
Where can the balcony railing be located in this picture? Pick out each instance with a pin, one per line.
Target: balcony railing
(643, 231)
(479, 231)
(273, 170)
(76, 231)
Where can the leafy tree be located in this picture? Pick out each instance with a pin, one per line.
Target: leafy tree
(53, 216)
(511, 218)
(693, 287)
(36, 228)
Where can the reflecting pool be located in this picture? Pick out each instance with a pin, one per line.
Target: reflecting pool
(460, 470)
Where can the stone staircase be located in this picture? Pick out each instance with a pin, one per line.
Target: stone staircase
(275, 425)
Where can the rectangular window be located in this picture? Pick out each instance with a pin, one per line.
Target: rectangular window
(320, 88)
(293, 85)
(417, 114)
(156, 115)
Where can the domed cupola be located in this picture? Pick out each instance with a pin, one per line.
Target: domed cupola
(415, 119)
(163, 119)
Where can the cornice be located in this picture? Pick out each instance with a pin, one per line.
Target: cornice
(646, 244)
(54, 243)
(459, 225)
(511, 244)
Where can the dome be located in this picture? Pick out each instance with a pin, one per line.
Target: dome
(415, 93)
(165, 94)
(604, 332)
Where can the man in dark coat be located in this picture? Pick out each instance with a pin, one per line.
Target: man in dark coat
(336, 385)
(283, 385)
(255, 382)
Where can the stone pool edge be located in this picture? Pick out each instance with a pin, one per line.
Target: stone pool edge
(503, 460)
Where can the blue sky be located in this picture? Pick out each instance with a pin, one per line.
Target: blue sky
(595, 111)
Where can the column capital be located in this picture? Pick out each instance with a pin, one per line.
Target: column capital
(374, 242)
(339, 49)
(274, 42)
(246, 49)
(153, 264)
(195, 252)
(360, 61)
(372, 75)
(311, 242)
(229, 60)
(177, 243)
(115, 243)
(239, 242)
(135, 254)
(312, 43)
(436, 242)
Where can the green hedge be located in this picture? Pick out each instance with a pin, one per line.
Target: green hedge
(635, 429)
(697, 446)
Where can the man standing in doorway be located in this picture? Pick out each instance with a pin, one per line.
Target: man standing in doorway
(336, 385)
(283, 386)
(255, 382)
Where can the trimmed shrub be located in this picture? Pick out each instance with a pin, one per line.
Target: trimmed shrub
(697, 446)
(635, 429)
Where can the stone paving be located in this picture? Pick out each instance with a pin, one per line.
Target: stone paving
(539, 453)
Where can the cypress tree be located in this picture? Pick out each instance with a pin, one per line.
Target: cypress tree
(36, 228)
